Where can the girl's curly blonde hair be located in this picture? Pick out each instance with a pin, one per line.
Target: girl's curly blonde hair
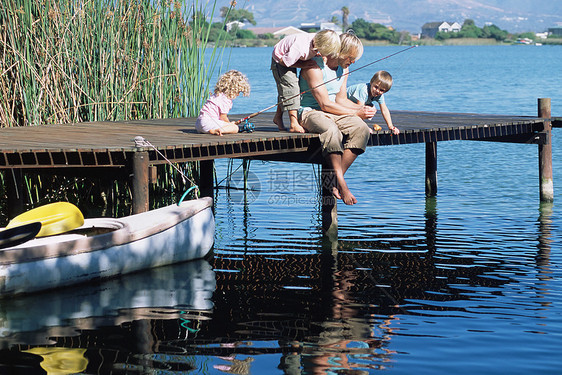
(232, 84)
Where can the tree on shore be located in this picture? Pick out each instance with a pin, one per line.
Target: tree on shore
(376, 31)
(241, 15)
(470, 30)
(345, 17)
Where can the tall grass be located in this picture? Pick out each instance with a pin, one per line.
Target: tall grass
(72, 61)
(103, 60)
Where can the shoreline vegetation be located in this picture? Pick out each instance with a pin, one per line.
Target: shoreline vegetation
(108, 60)
(67, 62)
(383, 43)
(376, 34)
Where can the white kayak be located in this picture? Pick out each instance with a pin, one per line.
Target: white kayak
(107, 247)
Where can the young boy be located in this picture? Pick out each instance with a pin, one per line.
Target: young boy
(368, 93)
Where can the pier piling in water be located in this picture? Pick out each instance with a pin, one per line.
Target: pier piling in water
(431, 169)
(545, 153)
(329, 205)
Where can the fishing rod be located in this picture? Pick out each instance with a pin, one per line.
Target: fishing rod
(322, 84)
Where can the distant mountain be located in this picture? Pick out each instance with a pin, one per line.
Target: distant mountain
(409, 15)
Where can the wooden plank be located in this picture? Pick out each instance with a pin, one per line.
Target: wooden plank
(106, 144)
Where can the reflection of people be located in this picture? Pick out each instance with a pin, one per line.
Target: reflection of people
(236, 366)
(213, 116)
(326, 110)
(292, 52)
(369, 93)
(347, 342)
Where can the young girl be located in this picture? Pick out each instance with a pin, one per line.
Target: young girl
(292, 52)
(212, 118)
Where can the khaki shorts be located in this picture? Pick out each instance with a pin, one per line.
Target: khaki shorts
(337, 132)
(287, 86)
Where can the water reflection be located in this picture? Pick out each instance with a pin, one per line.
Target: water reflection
(60, 361)
(545, 237)
(34, 319)
(315, 311)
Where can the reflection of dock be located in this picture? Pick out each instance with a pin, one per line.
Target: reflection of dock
(88, 148)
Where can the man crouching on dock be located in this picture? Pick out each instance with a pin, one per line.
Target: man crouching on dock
(327, 111)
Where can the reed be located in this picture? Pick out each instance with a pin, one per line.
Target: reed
(103, 60)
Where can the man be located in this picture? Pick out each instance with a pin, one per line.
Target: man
(326, 110)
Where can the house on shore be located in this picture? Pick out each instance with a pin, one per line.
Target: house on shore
(318, 26)
(430, 29)
(277, 32)
(234, 24)
(556, 31)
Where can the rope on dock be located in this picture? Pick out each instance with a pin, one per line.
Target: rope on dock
(141, 142)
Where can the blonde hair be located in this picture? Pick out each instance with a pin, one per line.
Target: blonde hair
(383, 79)
(232, 84)
(327, 43)
(351, 45)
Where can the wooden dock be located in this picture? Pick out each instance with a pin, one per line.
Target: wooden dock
(99, 146)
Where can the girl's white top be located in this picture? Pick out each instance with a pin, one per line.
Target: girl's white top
(216, 105)
(209, 116)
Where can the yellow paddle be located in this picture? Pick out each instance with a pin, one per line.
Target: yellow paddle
(55, 218)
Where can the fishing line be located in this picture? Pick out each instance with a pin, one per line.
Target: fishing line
(323, 83)
(407, 60)
(141, 142)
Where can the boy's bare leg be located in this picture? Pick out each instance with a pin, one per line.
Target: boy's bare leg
(341, 191)
(295, 126)
(278, 118)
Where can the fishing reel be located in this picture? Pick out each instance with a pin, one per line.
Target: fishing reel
(246, 127)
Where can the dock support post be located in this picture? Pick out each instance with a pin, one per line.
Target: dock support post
(140, 181)
(206, 184)
(329, 207)
(545, 154)
(431, 169)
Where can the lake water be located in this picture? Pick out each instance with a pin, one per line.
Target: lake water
(466, 282)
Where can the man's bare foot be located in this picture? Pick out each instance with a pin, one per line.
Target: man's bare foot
(296, 128)
(336, 192)
(347, 197)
